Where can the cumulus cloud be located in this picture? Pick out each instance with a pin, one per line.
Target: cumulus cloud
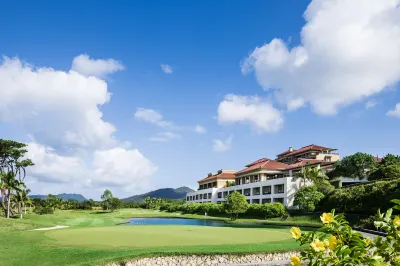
(200, 129)
(166, 68)
(165, 137)
(84, 65)
(350, 49)
(58, 108)
(251, 110)
(71, 143)
(395, 112)
(222, 145)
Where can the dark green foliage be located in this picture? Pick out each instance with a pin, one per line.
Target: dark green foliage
(131, 205)
(388, 168)
(43, 210)
(273, 210)
(164, 193)
(324, 186)
(115, 203)
(363, 199)
(358, 165)
(235, 204)
(307, 198)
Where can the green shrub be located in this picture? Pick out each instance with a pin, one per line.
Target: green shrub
(43, 210)
(273, 210)
(307, 198)
(362, 199)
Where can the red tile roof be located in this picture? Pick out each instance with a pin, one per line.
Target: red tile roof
(377, 159)
(302, 162)
(226, 176)
(263, 163)
(311, 147)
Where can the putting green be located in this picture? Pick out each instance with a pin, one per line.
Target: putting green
(158, 236)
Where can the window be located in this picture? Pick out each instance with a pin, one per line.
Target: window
(247, 192)
(201, 196)
(328, 158)
(219, 195)
(197, 197)
(187, 198)
(265, 201)
(278, 200)
(256, 191)
(205, 196)
(266, 190)
(218, 202)
(256, 201)
(279, 189)
(209, 195)
(225, 194)
(239, 191)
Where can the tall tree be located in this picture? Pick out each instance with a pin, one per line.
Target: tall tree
(235, 204)
(311, 174)
(107, 195)
(13, 162)
(358, 165)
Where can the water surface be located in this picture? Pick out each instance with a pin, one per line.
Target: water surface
(175, 221)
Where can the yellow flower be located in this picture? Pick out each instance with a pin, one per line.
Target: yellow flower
(295, 261)
(317, 245)
(367, 241)
(396, 220)
(327, 218)
(296, 233)
(333, 242)
(326, 243)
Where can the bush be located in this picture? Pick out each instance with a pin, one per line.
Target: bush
(273, 210)
(255, 210)
(362, 199)
(43, 210)
(307, 198)
(191, 207)
(235, 204)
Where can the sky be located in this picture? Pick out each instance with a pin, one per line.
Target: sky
(142, 95)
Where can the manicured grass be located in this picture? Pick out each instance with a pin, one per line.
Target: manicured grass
(94, 238)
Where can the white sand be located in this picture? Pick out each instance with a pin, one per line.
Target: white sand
(51, 228)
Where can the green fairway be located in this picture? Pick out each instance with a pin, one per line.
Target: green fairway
(162, 236)
(94, 238)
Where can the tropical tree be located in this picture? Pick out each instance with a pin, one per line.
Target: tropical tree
(115, 203)
(10, 184)
(311, 174)
(235, 204)
(307, 198)
(358, 165)
(107, 195)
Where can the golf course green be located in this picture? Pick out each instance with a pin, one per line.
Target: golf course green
(95, 238)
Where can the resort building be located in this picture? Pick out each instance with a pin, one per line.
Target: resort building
(264, 180)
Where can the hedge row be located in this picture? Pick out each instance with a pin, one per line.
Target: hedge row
(363, 199)
(267, 210)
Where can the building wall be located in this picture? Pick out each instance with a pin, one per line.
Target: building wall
(289, 191)
(334, 157)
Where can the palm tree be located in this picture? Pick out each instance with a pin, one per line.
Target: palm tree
(19, 196)
(10, 183)
(308, 173)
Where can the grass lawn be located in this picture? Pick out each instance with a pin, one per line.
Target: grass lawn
(94, 238)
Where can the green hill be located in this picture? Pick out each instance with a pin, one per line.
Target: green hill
(165, 193)
(64, 196)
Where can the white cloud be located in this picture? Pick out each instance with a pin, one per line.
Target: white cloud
(350, 50)
(395, 112)
(152, 116)
(166, 68)
(58, 108)
(120, 167)
(200, 129)
(71, 143)
(95, 67)
(222, 145)
(165, 137)
(252, 110)
(371, 104)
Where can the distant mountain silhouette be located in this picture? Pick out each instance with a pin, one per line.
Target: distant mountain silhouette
(64, 196)
(165, 193)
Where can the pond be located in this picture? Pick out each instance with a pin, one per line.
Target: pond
(175, 221)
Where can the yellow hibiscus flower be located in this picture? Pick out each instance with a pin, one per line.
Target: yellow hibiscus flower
(333, 242)
(367, 241)
(295, 261)
(296, 233)
(327, 218)
(396, 220)
(317, 245)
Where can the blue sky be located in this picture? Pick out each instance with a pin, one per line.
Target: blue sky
(313, 80)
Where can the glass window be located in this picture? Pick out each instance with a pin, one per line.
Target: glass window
(266, 201)
(278, 200)
(219, 195)
(279, 188)
(209, 195)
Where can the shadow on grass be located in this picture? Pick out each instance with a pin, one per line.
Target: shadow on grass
(100, 212)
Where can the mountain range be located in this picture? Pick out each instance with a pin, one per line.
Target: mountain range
(64, 196)
(165, 193)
